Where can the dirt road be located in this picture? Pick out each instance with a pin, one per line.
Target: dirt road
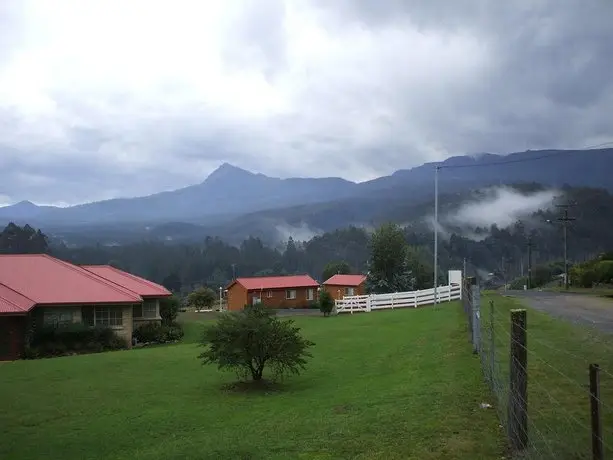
(581, 309)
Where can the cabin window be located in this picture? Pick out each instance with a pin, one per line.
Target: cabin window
(57, 317)
(290, 294)
(150, 310)
(349, 291)
(108, 316)
(310, 294)
(269, 294)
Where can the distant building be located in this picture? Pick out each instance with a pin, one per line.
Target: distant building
(46, 291)
(339, 286)
(298, 291)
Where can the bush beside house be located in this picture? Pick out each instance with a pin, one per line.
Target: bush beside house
(71, 339)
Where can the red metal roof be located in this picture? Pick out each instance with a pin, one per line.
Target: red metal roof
(12, 302)
(46, 280)
(141, 286)
(346, 280)
(277, 282)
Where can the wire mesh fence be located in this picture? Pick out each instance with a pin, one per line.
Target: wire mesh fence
(566, 402)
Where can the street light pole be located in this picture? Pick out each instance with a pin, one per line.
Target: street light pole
(436, 234)
(565, 220)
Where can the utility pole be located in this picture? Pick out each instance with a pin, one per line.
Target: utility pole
(436, 233)
(565, 220)
(529, 262)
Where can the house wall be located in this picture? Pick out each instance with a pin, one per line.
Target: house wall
(12, 337)
(73, 314)
(139, 320)
(333, 290)
(236, 297)
(278, 298)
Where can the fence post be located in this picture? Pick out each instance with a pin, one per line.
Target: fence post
(415, 299)
(475, 318)
(518, 385)
(393, 294)
(492, 344)
(597, 444)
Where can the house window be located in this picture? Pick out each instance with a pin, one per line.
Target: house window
(290, 294)
(310, 294)
(349, 291)
(150, 310)
(103, 316)
(269, 294)
(56, 317)
(137, 311)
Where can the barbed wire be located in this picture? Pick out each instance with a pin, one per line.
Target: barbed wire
(558, 419)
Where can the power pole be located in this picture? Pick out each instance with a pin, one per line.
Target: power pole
(529, 262)
(565, 220)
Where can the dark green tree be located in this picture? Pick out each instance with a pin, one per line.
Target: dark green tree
(252, 339)
(172, 282)
(169, 309)
(201, 298)
(334, 268)
(388, 268)
(326, 302)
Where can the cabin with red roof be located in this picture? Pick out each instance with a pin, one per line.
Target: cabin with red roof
(297, 291)
(339, 286)
(40, 289)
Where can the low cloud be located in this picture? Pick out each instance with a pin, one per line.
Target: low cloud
(501, 206)
(301, 232)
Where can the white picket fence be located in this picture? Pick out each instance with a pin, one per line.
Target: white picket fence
(414, 299)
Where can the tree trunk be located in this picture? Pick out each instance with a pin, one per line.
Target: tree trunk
(256, 373)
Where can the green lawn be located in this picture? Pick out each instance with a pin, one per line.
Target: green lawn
(559, 354)
(398, 384)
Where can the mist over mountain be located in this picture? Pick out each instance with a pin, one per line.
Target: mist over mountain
(232, 202)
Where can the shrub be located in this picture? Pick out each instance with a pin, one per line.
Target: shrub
(169, 309)
(326, 302)
(202, 298)
(247, 341)
(158, 333)
(72, 338)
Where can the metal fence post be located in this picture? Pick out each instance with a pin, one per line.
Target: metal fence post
(597, 444)
(492, 344)
(518, 385)
(475, 318)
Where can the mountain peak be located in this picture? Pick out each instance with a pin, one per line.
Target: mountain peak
(227, 171)
(25, 204)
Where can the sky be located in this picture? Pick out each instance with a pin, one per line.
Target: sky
(109, 98)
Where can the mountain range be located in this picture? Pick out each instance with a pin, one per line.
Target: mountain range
(233, 200)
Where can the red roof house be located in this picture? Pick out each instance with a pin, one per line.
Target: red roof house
(297, 291)
(53, 292)
(339, 286)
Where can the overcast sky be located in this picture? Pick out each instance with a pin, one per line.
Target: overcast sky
(128, 97)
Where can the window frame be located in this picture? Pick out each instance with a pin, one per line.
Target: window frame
(150, 311)
(114, 316)
(269, 294)
(288, 295)
(349, 291)
(310, 294)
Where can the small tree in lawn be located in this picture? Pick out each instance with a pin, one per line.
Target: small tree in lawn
(247, 341)
(202, 298)
(326, 302)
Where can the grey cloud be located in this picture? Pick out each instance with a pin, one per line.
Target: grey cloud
(538, 74)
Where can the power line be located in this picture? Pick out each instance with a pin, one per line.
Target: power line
(521, 160)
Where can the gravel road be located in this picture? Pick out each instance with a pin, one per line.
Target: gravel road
(581, 309)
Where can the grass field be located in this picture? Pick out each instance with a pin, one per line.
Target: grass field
(559, 354)
(386, 385)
